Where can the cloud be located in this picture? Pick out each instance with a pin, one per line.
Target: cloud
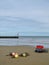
(21, 24)
(24, 16)
(22, 8)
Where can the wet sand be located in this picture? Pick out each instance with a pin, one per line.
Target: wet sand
(33, 58)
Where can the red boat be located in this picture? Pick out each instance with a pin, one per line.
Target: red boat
(40, 48)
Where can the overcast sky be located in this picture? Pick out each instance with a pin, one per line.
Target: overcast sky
(28, 17)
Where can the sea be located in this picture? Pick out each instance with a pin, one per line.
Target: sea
(26, 40)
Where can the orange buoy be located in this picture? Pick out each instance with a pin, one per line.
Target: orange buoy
(13, 53)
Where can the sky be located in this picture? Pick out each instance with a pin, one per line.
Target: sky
(26, 17)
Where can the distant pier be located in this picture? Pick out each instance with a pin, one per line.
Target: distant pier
(9, 36)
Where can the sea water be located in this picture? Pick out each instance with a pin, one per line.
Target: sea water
(25, 40)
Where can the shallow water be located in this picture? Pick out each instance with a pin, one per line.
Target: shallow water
(26, 40)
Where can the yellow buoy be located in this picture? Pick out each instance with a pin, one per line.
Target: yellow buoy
(16, 55)
(24, 55)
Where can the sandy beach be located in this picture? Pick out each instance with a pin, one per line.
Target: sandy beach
(33, 58)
